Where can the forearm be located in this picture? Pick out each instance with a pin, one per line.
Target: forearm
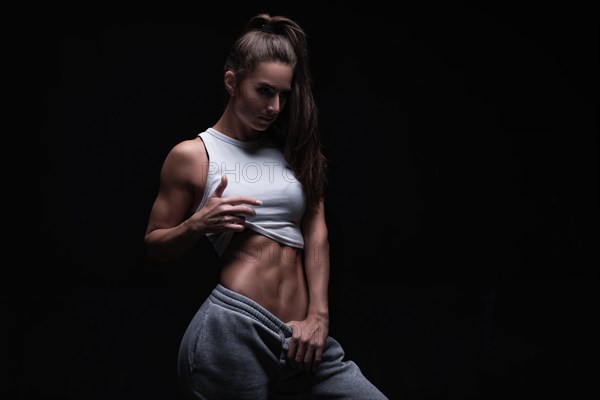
(168, 244)
(316, 264)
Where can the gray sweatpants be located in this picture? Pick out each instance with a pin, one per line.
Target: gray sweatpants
(235, 349)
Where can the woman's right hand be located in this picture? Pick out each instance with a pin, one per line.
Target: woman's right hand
(222, 214)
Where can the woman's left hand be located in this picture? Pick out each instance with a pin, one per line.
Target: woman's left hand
(308, 340)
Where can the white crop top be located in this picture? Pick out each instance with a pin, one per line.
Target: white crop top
(256, 169)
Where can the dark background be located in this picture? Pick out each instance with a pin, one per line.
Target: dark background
(462, 203)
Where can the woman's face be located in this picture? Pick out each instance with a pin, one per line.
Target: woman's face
(262, 94)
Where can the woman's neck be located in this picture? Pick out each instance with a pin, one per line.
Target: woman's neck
(232, 127)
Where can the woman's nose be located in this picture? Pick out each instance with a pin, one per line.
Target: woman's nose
(275, 104)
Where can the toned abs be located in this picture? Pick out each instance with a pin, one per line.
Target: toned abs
(268, 272)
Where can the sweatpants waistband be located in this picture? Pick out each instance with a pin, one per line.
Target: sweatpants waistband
(233, 300)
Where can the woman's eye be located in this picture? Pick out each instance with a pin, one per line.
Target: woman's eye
(264, 91)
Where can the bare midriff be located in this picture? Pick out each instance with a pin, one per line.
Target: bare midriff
(268, 272)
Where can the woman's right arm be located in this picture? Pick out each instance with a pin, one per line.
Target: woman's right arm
(169, 235)
(183, 175)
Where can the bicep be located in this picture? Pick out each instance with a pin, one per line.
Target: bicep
(179, 183)
(169, 208)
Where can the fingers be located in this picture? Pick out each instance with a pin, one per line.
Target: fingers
(301, 356)
(228, 213)
(234, 219)
(221, 187)
(293, 345)
(233, 200)
(239, 211)
(317, 359)
(233, 223)
(303, 353)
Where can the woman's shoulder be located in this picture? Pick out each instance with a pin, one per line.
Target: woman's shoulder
(190, 150)
(183, 162)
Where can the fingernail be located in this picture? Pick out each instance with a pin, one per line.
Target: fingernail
(259, 202)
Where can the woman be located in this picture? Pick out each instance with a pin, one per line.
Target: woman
(253, 183)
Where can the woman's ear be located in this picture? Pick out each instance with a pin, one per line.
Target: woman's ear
(230, 82)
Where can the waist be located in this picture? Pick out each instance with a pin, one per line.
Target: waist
(267, 272)
(233, 300)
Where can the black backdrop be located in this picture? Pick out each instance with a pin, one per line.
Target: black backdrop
(462, 201)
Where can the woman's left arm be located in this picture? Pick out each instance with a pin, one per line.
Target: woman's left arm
(309, 336)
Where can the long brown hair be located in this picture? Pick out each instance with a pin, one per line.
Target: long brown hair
(267, 38)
